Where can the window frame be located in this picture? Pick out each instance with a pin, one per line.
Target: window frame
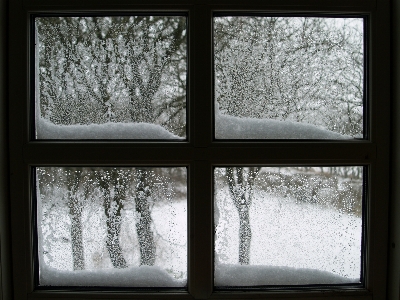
(201, 152)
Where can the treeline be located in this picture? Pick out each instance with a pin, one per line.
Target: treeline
(303, 69)
(112, 69)
(338, 187)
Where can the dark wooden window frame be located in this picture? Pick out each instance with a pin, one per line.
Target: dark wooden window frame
(201, 153)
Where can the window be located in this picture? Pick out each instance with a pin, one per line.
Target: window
(208, 147)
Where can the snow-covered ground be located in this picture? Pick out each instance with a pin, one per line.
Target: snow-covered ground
(170, 233)
(143, 276)
(292, 243)
(230, 275)
(229, 127)
(226, 127)
(47, 130)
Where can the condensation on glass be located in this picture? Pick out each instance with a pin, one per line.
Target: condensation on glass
(116, 77)
(287, 226)
(288, 77)
(117, 227)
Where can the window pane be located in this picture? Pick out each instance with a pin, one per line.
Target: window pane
(117, 77)
(288, 78)
(124, 227)
(287, 225)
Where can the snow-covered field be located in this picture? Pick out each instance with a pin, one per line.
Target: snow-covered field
(292, 243)
(170, 233)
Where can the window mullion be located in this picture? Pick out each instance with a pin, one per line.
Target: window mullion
(202, 76)
(201, 230)
(200, 174)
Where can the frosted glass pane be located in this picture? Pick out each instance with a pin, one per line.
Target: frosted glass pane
(287, 226)
(288, 78)
(116, 77)
(120, 227)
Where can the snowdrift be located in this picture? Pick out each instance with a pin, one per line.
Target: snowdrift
(240, 275)
(226, 127)
(48, 130)
(143, 276)
(229, 127)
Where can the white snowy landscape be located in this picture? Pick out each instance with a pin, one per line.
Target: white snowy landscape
(106, 81)
(124, 78)
(292, 243)
(168, 206)
(306, 229)
(170, 269)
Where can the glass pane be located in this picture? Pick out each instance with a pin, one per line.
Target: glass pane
(287, 226)
(124, 227)
(288, 78)
(117, 77)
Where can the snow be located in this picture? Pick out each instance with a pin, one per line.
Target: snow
(171, 260)
(169, 225)
(110, 130)
(226, 127)
(143, 276)
(230, 127)
(230, 275)
(171, 257)
(292, 243)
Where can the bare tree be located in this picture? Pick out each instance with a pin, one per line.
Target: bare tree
(240, 185)
(75, 208)
(114, 69)
(300, 69)
(113, 183)
(119, 69)
(143, 226)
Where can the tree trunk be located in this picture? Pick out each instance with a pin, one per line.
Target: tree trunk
(75, 210)
(244, 235)
(112, 242)
(112, 209)
(77, 241)
(143, 226)
(241, 191)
